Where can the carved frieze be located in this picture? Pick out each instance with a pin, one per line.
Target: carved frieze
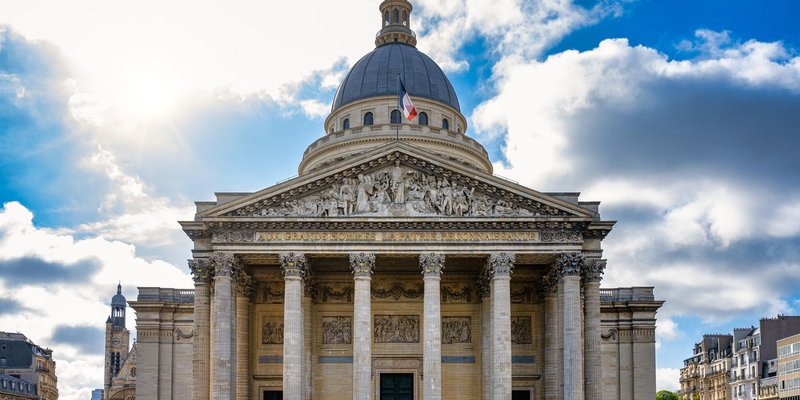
(397, 291)
(522, 295)
(337, 330)
(450, 294)
(332, 295)
(521, 330)
(233, 236)
(560, 236)
(396, 328)
(456, 330)
(271, 293)
(272, 331)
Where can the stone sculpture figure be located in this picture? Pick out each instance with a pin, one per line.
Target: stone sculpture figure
(364, 192)
(396, 328)
(456, 330)
(272, 332)
(337, 330)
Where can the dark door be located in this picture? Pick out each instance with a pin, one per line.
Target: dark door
(397, 387)
(521, 395)
(273, 395)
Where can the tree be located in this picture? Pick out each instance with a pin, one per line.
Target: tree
(666, 395)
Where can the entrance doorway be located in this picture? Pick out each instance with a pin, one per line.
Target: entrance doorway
(273, 395)
(397, 387)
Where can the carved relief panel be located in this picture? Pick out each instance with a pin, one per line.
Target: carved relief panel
(456, 330)
(337, 330)
(397, 291)
(396, 328)
(272, 330)
(521, 330)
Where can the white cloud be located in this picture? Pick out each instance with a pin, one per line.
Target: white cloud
(668, 379)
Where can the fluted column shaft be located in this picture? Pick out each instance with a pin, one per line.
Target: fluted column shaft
(570, 265)
(592, 274)
(308, 289)
(432, 265)
(500, 266)
(362, 265)
(548, 289)
(294, 266)
(202, 273)
(244, 295)
(221, 343)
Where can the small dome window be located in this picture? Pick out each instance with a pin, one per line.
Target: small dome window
(346, 123)
(405, 18)
(445, 123)
(368, 119)
(396, 16)
(395, 117)
(423, 118)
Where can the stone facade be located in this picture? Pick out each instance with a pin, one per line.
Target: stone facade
(397, 264)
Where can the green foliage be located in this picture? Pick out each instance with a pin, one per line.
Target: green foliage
(666, 395)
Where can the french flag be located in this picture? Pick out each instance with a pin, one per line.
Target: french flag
(409, 111)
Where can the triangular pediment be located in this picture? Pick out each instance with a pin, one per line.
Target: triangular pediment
(397, 180)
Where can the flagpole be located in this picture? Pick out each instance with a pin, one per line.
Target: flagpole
(399, 93)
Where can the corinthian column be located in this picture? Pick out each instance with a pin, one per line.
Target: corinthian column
(362, 265)
(500, 266)
(293, 266)
(592, 274)
(548, 289)
(221, 351)
(569, 269)
(244, 294)
(432, 265)
(202, 273)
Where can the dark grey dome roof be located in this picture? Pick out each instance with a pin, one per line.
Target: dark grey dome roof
(376, 75)
(118, 299)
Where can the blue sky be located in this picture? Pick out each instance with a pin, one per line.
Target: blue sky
(682, 117)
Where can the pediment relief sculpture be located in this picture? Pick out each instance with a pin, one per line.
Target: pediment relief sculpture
(396, 191)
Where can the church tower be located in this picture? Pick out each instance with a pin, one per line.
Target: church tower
(117, 340)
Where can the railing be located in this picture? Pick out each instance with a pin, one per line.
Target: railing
(627, 294)
(166, 295)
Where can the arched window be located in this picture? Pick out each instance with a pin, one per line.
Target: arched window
(405, 18)
(386, 17)
(396, 16)
(395, 116)
(445, 123)
(423, 118)
(458, 129)
(346, 123)
(368, 118)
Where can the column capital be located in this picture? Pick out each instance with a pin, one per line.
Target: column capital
(245, 284)
(293, 264)
(593, 270)
(202, 270)
(548, 286)
(362, 264)
(569, 264)
(432, 264)
(500, 264)
(224, 264)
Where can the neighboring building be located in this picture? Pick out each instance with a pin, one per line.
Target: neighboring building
(789, 368)
(384, 270)
(119, 379)
(705, 375)
(97, 394)
(755, 354)
(13, 388)
(22, 359)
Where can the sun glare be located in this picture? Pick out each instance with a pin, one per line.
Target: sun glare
(145, 93)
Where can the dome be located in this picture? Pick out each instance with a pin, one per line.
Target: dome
(376, 75)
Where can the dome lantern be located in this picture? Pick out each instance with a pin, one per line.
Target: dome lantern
(396, 23)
